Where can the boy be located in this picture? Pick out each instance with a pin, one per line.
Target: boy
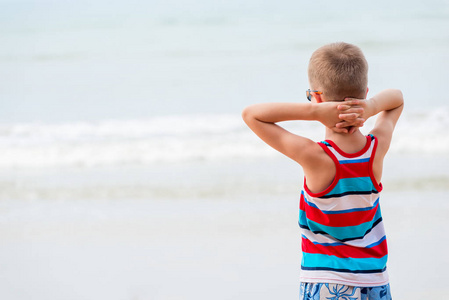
(344, 250)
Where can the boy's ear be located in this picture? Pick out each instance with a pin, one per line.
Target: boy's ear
(318, 98)
(367, 90)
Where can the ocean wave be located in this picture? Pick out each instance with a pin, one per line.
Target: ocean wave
(187, 138)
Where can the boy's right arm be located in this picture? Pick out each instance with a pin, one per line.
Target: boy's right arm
(262, 118)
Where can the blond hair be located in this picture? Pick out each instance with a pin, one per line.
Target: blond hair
(339, 70)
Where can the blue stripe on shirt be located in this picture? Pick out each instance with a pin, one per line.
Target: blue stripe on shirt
(339, 233)
(312, 260)
(357, 184)
(353, 161)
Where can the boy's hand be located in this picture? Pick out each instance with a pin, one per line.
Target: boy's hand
(352, 115)
(339, 118)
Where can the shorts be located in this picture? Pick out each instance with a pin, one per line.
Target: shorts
(332, 291)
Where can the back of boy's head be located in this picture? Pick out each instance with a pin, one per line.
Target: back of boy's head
(339, 70)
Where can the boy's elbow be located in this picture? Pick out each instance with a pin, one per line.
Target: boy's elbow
(396, 98)
(399, 96)
(247, 113)
(255, 113)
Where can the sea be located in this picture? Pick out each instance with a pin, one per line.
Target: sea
(126, 171)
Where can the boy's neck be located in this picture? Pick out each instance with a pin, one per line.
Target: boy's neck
(349, 143)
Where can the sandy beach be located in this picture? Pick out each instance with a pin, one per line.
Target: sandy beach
(235, 237)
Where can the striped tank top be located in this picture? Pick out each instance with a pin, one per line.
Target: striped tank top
(343, 237)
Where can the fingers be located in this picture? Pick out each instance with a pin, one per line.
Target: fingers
(351, 112)
(350, 109)
(340, 130)
(352, 129)
(343, 107)
(349, 116)
(352, 117)
(358, 122)
(351, 102)
(351, 120)
(348, 130)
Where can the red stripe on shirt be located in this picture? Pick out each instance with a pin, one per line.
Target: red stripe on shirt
(351, 170)
(345, 251)
(337, 219)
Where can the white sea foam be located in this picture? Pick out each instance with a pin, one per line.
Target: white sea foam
(181, 139)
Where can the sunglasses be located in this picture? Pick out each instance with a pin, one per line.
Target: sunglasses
(309, 94)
